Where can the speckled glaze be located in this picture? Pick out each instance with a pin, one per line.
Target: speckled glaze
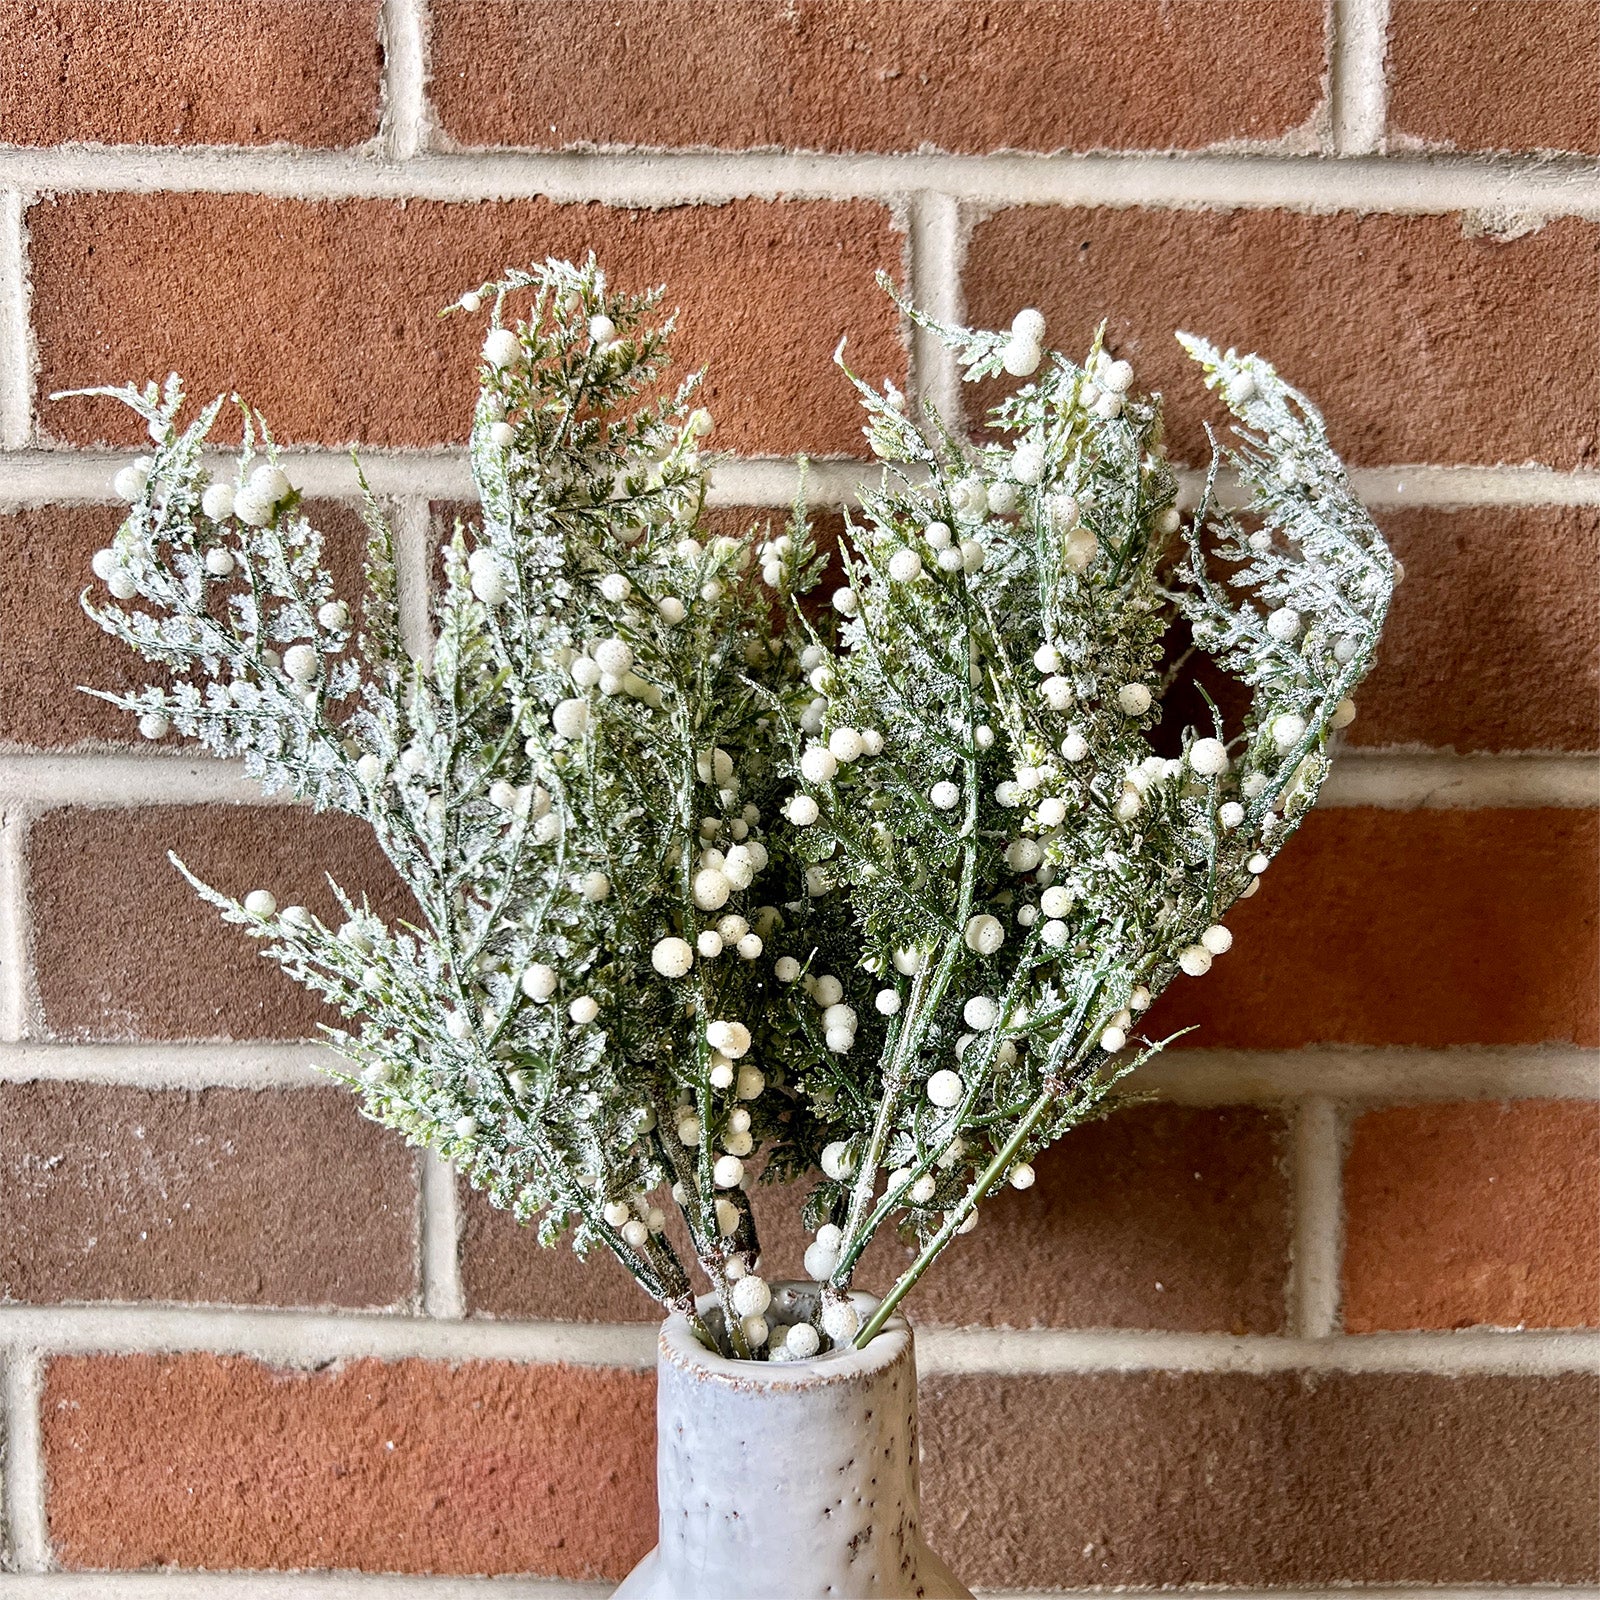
(788, 1482)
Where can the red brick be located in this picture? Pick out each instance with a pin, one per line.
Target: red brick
(1411, 333)
(49, 649)
(506, 1273)
(277, 1197)
(200, 1461)
(1495, 75)
(1426, 928)
(1145, 1479)
(887, 75)
(1457, 1215)
(325, 313)
(1155, 1479)
(1166, 1217)
(1493, 641)
(124, 949)
(1160, 1217)
(207, 72)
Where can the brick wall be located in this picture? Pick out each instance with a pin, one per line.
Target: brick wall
(1323, 1313)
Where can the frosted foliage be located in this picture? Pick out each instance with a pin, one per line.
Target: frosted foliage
(1035, 853)
(708, 884)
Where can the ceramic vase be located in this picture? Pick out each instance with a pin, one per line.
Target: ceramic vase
(788, 1481)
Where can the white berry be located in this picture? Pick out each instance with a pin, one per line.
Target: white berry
(671, 957)
(1284, 624)
(570, 718)
(840, 1320)
(837, 1162)
(751, 1296)
(820, 1262)
(980, 1012)
(731, 1038)
(803, 1341)
(217, 501)
(538, 981)
(501, 348)
(818, 764)
(1288, 730)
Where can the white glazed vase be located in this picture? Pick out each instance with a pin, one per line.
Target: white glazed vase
(788, 1481)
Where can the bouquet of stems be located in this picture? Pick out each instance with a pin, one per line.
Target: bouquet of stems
(711, 884)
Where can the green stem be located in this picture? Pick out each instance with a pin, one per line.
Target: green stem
(952, 1223)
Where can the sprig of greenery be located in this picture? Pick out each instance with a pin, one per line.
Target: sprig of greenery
(1027, 855)
(569, 779)
(704, 882)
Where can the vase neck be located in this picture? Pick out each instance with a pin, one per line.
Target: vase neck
(790, 1479)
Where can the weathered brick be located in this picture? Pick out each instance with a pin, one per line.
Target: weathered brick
(1494, 75)
(245, 72)
(1167, 1217)
(1410, 333)
(1154, 1479)
(325, 313)
(1493, 641)
(124, 949)
(412, 1466)
(271, 1197)
(1160, 1217)
(1427, 928)
(1473, 1213)
(506, 1273)
(1145, 1479)
(49, 649)
(870, 75)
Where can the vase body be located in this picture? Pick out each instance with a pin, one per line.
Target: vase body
(788, 1481)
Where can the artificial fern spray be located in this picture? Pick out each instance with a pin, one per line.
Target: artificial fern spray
(707, 883)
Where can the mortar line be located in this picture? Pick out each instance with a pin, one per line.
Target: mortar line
(15, 923)
(16, 336)
(248, 1064)
(1402, 184)
(442, 1295)
(936, 289)
(47, 780)
(403, 28)
(412, 522)
(1368, 778)
(1346, 1075)
(296, 1586)
(416, 1586)
(1317, 1233)
(27, 1528)
(1358, 85)
(311, 1338)
(1398, 780)
(29, 477)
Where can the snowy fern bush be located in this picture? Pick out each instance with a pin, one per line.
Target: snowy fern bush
(1027, 856)
(706, 883)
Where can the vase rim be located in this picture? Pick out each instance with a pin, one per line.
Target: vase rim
(678, 1344)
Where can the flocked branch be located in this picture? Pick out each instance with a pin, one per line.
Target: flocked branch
(704, 882)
